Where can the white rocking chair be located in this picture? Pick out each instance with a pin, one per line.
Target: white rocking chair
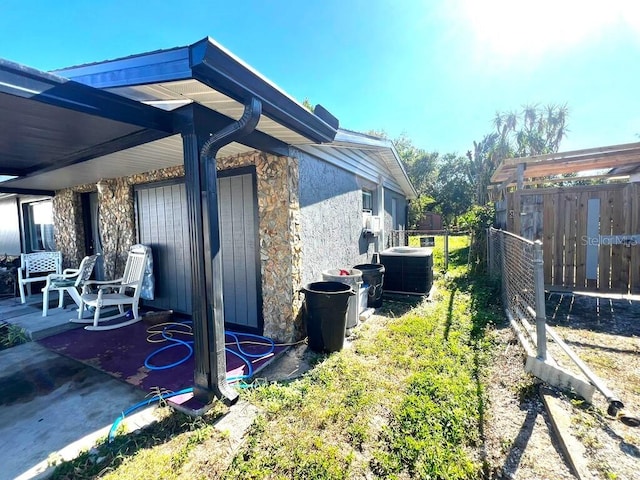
(119, 292)
(70, 281)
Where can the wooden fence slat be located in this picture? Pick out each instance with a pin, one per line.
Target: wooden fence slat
(624, 227)
(604, 251)
(548, 218)
(581, 239)
(558, 236)
(570, 240)
(634, 229)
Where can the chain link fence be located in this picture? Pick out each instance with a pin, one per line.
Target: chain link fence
(511, 259)
(518, 262)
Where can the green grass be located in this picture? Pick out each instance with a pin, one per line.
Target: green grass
(458, 250)
(405, 401)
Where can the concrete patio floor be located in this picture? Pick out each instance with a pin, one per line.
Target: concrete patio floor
(53, 407)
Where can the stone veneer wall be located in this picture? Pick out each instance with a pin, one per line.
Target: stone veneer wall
(279, 231)
(68, 227)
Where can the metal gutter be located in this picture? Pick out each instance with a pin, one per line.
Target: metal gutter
(213, 65)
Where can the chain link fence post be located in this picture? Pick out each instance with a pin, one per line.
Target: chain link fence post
(541, 321)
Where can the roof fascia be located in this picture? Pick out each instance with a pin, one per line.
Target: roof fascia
(161, 66)
(26, 191)
(346, 137)
(211, 64)
(219, 69)
(21, 81)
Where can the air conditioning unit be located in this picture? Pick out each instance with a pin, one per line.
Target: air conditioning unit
(371, 224)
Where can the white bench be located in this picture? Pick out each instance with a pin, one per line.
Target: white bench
(34, 267)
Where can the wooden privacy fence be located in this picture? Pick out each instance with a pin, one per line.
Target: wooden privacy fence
(590, 234)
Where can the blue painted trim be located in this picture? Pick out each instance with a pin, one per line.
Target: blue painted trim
(32, 84)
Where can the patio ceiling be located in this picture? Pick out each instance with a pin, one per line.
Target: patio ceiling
(48, 122)
(615, 160)
(52, 142)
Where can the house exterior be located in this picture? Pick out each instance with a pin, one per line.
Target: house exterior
(243, 194)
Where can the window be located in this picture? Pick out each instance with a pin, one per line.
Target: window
(39, 226)
(367, 201)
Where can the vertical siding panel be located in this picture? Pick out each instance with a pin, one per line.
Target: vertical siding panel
(227, 248)
(250, 221)
(239, 254)
(186, 253)
(169, 270)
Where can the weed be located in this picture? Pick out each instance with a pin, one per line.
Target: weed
(12, 335)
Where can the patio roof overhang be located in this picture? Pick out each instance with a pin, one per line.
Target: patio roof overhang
(610, 161)
(48, 122)
(114, 117)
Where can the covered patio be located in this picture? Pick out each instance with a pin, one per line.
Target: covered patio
(178, 107)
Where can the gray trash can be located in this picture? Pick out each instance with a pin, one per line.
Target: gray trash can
(353, 278)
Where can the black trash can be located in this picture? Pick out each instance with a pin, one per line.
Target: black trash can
(325, 312)
(373, 275)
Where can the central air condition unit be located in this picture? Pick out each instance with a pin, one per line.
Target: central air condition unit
(371, 223)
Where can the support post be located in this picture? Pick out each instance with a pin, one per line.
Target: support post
(200, 147)
(541, 322)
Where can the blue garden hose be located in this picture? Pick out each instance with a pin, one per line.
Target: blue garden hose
(141, 404)
(176, 342)
(166, 334)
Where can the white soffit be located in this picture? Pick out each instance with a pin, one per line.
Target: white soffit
(163, 153)
(171, 95)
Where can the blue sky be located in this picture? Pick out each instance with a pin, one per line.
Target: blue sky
(436, 70)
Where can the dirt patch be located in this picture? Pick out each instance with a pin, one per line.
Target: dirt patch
(519, 440)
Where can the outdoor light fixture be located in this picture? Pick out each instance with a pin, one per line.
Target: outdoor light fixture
(104, 188)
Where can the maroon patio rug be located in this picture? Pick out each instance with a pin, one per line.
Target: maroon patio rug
(122, 353)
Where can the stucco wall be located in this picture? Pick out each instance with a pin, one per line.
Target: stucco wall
(331, 218)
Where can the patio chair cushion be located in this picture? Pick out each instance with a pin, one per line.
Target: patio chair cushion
(63, 283)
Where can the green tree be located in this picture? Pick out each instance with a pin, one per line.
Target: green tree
(454, 192)
(533, 131)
